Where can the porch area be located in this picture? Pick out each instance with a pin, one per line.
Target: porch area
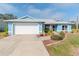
(58, 27)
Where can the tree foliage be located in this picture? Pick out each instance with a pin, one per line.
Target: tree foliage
(3, 25)
(7, 16)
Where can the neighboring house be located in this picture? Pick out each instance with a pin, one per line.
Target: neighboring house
(2, 25)
(28, 25)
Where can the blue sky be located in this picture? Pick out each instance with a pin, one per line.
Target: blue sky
(42, 10)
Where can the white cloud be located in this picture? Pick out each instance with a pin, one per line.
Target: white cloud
(58, 15)
(6, 8)
(32, 10)
(45, 13)
(64, 4)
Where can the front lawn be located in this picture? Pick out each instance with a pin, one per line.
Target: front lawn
(3, 34)
(65, 48)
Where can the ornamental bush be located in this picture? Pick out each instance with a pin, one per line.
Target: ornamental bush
(50, 32)
(46, 30)
(62, 34)
(59, 36)
(75, 30)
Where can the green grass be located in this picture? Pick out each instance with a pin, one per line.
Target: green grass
(6, 28)
(74, 39)
(65, 48)
(60, 49)
(3, 34)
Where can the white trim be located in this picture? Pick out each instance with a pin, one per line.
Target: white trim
(46, 21)
(26, 18)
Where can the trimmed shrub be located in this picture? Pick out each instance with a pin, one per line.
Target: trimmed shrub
(59, 36)
(62, 34)
(46, 30)
(50, 32)
(56, 37)
(75, 30)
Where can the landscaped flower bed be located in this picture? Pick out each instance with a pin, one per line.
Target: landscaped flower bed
(55, 37)
(47, 42)
(42, 35)
(65, 47)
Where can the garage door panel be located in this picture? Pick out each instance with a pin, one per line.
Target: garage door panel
(26, 29)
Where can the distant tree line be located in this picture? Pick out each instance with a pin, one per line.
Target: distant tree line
(3, 26)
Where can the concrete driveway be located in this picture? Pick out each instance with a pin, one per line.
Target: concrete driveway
(22, 45)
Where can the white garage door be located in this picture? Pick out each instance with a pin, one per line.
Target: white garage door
(21, 28)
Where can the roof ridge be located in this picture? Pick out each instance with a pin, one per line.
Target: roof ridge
(26, 16)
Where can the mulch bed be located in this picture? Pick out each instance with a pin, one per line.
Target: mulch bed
(46, 42)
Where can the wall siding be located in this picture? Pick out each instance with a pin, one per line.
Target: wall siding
(69, 28)
(10, 28)
(59, 28)
(40, 28)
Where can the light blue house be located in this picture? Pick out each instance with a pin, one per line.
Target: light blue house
(36, 26)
